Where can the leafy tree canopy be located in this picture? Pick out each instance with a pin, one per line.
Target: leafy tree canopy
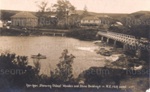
(63, 7)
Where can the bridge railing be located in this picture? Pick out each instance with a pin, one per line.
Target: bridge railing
(120, 37)
(127, 39)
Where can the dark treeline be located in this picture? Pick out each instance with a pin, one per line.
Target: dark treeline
(83, 34)
(16, 72)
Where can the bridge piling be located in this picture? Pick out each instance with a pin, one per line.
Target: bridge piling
(114, 43)
(102, 38)
(107, 40)
(129, 42)
(125, 47)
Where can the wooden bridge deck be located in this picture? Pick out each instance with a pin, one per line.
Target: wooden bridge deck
(123, 38)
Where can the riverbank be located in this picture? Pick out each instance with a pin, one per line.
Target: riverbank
(30, 32)
(81, 34)
(130, 73)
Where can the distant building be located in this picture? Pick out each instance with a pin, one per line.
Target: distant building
(53, 16)
(102, 21)
(90, 21)
(117, 24)
(24, 19)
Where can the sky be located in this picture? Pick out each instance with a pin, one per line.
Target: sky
(99, 6)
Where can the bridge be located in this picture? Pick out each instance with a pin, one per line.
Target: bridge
(123, 38)
(128, 41)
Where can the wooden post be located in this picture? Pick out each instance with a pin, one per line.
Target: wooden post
(115, 43)
(124, 47)
(102, 38)
(107, 40)
(62, 34)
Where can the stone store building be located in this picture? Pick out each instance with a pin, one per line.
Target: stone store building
(24, 19)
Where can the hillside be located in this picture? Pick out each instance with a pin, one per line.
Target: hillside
(113, 15)
(137, 24)
(142, 12)
(6, 14)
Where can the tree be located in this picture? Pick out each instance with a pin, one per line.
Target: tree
(63, 7)
(6, 15)
(85, 12)
(42, 10)
(37, 66)
(43, 6)
(63, 72)
(15, 71)
(74, 21)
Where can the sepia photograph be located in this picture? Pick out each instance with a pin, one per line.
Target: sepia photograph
(74, 45)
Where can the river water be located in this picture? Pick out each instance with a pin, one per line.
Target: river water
(52, 47)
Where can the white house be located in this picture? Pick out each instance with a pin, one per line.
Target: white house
(90, 20)
(117, 24)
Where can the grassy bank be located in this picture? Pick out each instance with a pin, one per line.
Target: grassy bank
(83, 34)
(80, 33)
(27, 32)
(11, 32)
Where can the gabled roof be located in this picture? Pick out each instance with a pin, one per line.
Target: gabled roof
(24, 15)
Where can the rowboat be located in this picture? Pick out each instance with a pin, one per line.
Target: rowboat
(39, 56)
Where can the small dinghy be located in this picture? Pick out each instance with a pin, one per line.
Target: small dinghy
(39, 56)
